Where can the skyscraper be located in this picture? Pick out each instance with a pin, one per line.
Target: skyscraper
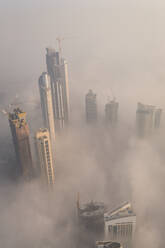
(91, 107)
(111, 113)
(147, 119)
(58, 71)
(90, 222)
(120, 225)
(44, 151)
(20, 134)
(47, 106)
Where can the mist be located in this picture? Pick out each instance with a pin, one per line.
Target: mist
(117, 49)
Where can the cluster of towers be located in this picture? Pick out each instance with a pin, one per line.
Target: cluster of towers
(54, 93)
(112, 226)
(111, 110)
(148, 117)
(54, 97)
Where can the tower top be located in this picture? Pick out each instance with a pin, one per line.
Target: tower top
(50, 50)
(42, 133)
(18, 117)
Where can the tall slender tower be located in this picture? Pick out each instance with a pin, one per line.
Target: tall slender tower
(47, 106)
(44, 151)
(57, 69)
(111, 112)
(20, 134)
(91, 107)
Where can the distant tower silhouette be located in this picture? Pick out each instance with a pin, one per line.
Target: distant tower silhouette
(20, 134)
(91, 107)
(111, 113)
(147, 119)
(158, 113)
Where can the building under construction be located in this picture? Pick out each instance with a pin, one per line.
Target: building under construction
(91, 215)
(20, 134)
(91, 222)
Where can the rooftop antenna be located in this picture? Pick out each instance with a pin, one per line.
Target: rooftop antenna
(59, 40)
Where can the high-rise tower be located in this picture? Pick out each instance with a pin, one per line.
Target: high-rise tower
(91, 107)
(158, 113)
(47, 106)
(58, 71)
(111, 113)
(147, 119)
(120, 225)
(44, 151)
(20, 134)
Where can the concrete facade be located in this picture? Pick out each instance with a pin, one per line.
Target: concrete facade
(20, 134)
(44, 151)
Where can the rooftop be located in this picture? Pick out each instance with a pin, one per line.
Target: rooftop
(124, 210)
(107, 244)
(145, 108)
(92, 209)
(17, 115)
(90, 94)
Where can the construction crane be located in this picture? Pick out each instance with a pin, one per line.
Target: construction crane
(3, 111)
(15, 105)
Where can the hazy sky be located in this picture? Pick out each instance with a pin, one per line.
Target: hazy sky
(111, 46)
(108, 43)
